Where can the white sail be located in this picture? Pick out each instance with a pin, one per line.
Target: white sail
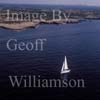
(65, 68)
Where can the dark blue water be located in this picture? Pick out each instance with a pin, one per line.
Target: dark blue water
(79, 42)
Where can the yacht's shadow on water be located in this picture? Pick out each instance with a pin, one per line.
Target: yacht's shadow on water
(64, 76)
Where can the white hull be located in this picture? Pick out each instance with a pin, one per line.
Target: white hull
(66, 71)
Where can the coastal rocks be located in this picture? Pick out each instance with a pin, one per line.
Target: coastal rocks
(18, 26)
(24, 25)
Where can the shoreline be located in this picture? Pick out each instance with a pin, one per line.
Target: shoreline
(24, 25)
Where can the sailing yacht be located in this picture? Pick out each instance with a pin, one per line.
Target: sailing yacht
(65, 68)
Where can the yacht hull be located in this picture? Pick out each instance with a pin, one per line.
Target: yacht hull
(66, 71)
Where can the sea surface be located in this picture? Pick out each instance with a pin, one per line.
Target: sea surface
(79, 42)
